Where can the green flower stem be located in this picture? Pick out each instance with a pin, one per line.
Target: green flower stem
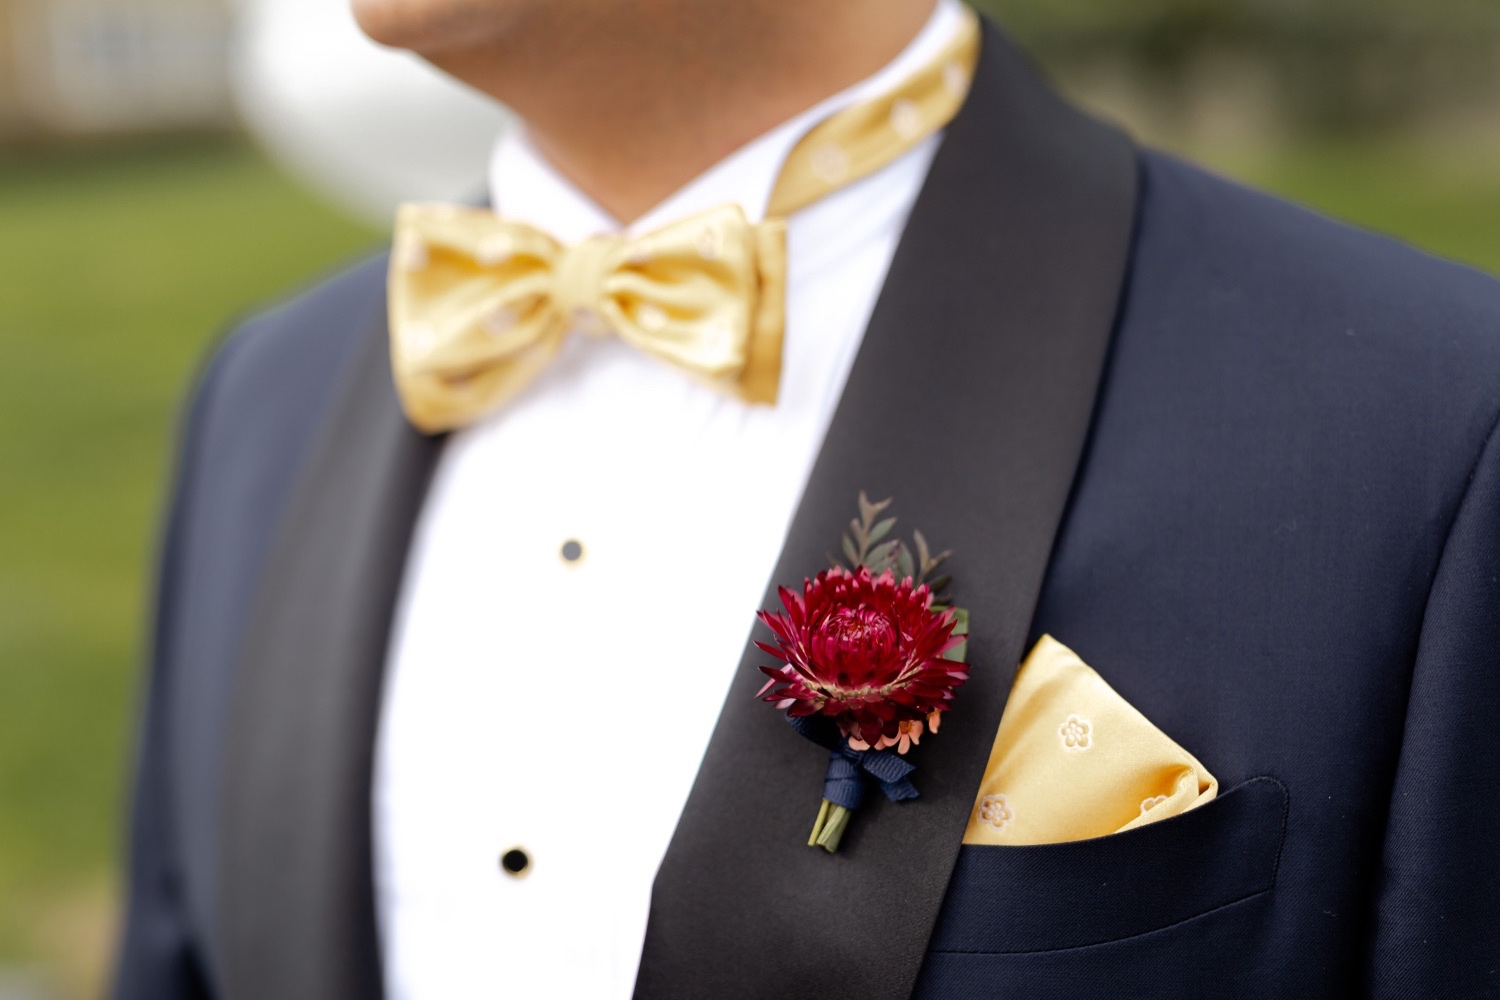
(818, 824)
(829, 828)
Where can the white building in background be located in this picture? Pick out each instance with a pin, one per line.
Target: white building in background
(90, 67)
(366, 126)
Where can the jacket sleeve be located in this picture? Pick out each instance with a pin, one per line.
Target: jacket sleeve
(161, 954)
(1436, 927)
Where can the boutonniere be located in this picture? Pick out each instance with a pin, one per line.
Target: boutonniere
(871, 655)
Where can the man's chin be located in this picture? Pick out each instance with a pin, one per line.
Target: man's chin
(431, 27)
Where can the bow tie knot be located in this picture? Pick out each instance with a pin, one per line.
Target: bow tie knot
(578, 283)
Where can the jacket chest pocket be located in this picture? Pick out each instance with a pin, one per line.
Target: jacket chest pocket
(1056, 897)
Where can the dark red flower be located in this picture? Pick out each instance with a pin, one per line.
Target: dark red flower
(866, 651)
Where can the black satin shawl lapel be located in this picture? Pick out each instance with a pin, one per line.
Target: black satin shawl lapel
(970, 403)
(298, 914)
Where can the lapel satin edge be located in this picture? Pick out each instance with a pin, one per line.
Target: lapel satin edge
(297, 915)
(970, 402)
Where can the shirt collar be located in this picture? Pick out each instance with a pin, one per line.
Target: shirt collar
(525, 187)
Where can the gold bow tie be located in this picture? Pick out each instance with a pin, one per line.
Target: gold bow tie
(479, 305)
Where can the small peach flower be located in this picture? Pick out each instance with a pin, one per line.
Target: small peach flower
(908, 734)
(1151, 803)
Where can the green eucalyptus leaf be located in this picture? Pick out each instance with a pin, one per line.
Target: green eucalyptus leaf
(904, 564)
(868, 511)
(960, 621)
(883, 556)
(851, 553)
(960, 652)
(881, 530)
(922, 552)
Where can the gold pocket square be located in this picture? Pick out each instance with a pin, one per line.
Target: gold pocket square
(1073, 760)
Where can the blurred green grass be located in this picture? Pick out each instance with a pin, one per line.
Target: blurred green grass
(117, 267)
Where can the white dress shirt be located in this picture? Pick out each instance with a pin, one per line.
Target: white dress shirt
(561, 707)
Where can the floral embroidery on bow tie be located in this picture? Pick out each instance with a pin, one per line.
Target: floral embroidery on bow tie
(871, 655)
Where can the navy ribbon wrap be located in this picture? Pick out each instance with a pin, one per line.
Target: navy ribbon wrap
(845, 782)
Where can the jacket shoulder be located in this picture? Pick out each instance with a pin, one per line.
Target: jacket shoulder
(1301, 305)
(294, 353)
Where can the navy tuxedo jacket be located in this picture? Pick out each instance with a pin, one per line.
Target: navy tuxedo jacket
(1242, 459)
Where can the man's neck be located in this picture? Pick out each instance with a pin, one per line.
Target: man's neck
(630, 108)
